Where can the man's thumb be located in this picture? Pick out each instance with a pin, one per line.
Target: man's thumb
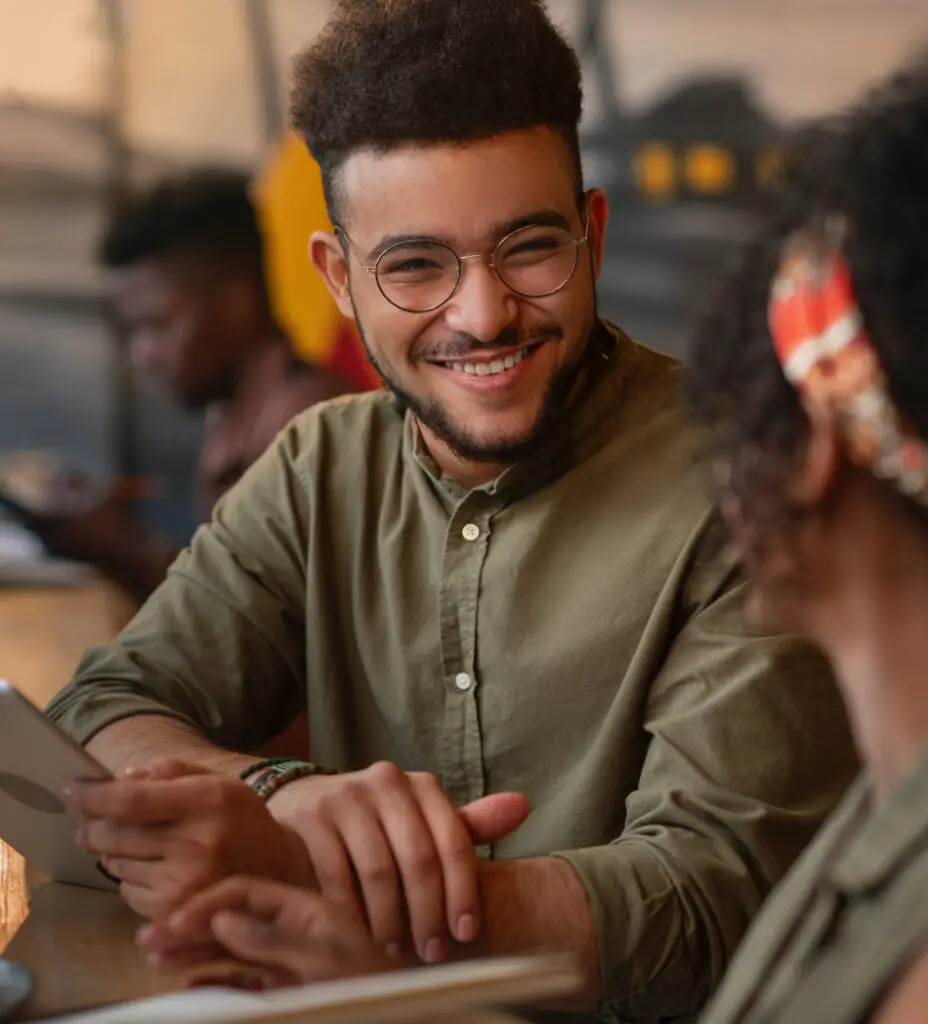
(492, 817)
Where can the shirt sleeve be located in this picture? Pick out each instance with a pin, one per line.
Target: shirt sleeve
(224, 633)
(749, 752)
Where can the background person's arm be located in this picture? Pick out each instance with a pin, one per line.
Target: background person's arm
(217, 653)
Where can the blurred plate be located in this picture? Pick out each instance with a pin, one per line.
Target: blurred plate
(15, 986)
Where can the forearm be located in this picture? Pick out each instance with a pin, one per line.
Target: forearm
(134, 743)
(535, 904)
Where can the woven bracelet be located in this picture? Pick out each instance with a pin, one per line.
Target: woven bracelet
(277, 776)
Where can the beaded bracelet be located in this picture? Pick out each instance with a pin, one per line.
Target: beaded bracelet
(268, 762)
(277, 776)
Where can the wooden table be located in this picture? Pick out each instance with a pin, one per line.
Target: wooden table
(43, 633)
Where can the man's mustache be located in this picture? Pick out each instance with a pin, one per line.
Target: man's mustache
(461, 346)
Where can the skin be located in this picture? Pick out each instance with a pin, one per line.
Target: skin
(468, 196)
(384, 838)
(191, 324)
(852, 576)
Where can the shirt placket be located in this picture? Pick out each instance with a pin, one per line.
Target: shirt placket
(466, 545)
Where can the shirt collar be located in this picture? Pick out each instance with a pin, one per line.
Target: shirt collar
(613, 362)
(887, 836)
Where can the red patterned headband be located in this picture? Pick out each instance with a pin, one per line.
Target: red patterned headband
(820, 339)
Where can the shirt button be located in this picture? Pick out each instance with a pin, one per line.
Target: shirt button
(462, 681)
(471, 531)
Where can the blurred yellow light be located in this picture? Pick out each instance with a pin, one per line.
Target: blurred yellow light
(710, 169)
(655, 170)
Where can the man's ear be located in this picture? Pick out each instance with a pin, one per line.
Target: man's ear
(823, 454)
(597, 206)
(328, 258)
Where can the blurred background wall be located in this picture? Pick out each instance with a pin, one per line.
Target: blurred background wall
(688, 102)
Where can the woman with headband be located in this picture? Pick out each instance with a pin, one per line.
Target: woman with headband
(812, 375)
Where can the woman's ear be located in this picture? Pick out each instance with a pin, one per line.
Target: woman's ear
(328, 258)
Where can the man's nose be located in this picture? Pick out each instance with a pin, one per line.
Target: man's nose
(482, 306)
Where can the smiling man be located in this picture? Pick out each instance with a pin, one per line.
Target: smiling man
(499, 576)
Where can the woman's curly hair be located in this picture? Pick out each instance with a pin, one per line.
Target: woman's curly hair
(871, 165)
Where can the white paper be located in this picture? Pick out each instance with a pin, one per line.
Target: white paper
(418, 994)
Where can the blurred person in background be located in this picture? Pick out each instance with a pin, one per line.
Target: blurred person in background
(189, 287)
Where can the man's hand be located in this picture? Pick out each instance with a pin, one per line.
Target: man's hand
(295, 935)
(392, 843)
(179, 829)
(77, 521)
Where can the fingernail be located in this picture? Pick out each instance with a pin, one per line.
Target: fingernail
(393, 950)
(144, 934)
(79, 836)
(466, 930)
(434, 951)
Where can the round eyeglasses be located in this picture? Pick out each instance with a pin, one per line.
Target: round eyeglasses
(420, 275)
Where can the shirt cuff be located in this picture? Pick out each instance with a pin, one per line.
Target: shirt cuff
(648, 946)
(82, 716)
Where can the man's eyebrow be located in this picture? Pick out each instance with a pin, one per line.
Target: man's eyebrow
(537, 218)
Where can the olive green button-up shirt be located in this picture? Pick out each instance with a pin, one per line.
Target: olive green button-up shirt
(848, 922)
(572, 630)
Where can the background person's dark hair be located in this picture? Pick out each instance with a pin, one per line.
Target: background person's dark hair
(388, 72)
(203, 213)
(872, 166)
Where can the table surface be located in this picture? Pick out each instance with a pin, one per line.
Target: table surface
(42, 635)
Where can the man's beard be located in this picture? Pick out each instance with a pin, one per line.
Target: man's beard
(430, 413)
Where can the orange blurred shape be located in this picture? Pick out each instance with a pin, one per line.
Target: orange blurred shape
(291, 206)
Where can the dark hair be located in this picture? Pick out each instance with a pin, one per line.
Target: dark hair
(871, 165)
(203, 212)
(388, 72)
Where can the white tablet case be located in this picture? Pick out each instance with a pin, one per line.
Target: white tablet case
(37, 760)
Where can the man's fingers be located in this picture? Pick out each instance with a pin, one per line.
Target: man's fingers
(135, 872)
(144, 901)
(378, 876)
(420, 868)
(107, 837)
(257, 941)
(191, 921)
(493, 817)
(456, 855)
(147, 802)
(332, 866)
(336, 950)
(178, 958)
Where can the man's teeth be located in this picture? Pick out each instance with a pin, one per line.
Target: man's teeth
(489, 369)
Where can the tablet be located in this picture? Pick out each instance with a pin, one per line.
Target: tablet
(37, 760)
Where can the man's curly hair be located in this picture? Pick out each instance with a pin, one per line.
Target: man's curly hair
(871, 165)
(384, 73)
